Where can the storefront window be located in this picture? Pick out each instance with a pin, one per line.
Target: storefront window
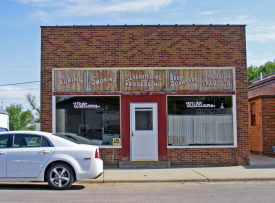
(91, 120)
(200, 120)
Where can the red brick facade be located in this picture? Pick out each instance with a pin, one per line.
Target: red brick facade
(262, 134)
(152, 46)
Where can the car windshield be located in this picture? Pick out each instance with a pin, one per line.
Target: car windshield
(70, 138)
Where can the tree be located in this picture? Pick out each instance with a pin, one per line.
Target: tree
(32, 100)
(18, 119)
(255, 71)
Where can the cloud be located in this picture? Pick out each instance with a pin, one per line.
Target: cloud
(207, 13)
(49, 9)
(262, 34)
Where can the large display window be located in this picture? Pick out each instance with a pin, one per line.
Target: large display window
(91, 120)
(200, 120)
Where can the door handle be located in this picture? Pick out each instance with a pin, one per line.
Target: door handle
(132, 134)
(45, 152)
(1, 152)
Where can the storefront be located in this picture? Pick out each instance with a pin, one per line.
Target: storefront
(149, 93)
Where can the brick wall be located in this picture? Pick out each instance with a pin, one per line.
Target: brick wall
(111, 156)
(268, 123)
(255, 131)
(151, 46)
(202, 157)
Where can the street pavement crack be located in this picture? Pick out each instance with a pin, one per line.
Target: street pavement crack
(207, 179)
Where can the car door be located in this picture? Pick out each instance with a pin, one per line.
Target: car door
(5, 141)
(28, 155)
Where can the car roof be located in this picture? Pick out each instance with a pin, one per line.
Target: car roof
(56, 141)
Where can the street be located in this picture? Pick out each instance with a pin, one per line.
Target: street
(141, 192)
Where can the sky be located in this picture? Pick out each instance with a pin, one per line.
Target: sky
(20, 32)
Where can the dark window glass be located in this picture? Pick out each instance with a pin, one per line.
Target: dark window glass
(4, 141)
(25, 140)
(45, 142)
(91, 120)
(253, 114)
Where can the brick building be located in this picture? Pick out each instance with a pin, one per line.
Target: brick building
(149, 93)
(261, 101)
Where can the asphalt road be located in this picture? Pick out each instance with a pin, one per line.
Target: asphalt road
(141, 192)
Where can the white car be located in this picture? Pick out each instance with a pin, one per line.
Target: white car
(78, 139)
(40, 156)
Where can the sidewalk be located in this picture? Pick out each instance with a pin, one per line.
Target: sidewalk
(261, 169)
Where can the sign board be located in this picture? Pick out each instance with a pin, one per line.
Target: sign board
(143, 80)
(188, 80)
(216, 79)
(70, 80)
(104, 80)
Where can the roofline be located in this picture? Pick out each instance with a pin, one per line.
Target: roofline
(142, 25)
(261, 97)
(261, 83)
(264, 76)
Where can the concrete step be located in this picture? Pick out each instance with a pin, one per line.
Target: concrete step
(144, 164)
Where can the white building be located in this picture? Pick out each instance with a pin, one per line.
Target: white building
(4, 119)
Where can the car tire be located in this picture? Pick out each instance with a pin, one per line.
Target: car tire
(60, 176)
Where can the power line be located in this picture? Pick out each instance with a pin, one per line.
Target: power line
(22, 83)
(19, 90)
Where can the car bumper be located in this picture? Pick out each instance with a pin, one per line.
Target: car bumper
(96, 169)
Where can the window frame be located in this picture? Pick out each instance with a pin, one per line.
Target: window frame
(208, 146)
(253, 116)
(54, 115)
(34, 135)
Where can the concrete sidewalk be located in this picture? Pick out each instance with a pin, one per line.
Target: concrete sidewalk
(261, 169)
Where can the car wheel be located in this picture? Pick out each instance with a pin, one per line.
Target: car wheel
(60, 176)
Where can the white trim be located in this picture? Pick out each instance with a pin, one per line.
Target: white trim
(108, 146)
(53, 114)
(142, 68)
(154, 106)
(198, 146)
(235, 119)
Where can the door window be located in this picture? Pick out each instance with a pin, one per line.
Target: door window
(26, 141)
(144, 119)
(4, 141)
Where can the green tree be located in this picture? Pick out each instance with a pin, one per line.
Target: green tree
(18, 119)
(255, 71)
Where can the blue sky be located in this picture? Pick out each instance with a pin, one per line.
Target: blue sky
(20, 36)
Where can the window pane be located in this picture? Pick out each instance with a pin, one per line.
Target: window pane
(144, 120)
(4, 141)
(26, 141)
(44, 142)
(200, 120)
(91, 120)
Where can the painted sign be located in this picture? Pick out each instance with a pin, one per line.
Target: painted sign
(141, 80)
(199, 105)
(184, 79)
(69, 80)
(85, 105)
(216, 79)
(104, 80)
